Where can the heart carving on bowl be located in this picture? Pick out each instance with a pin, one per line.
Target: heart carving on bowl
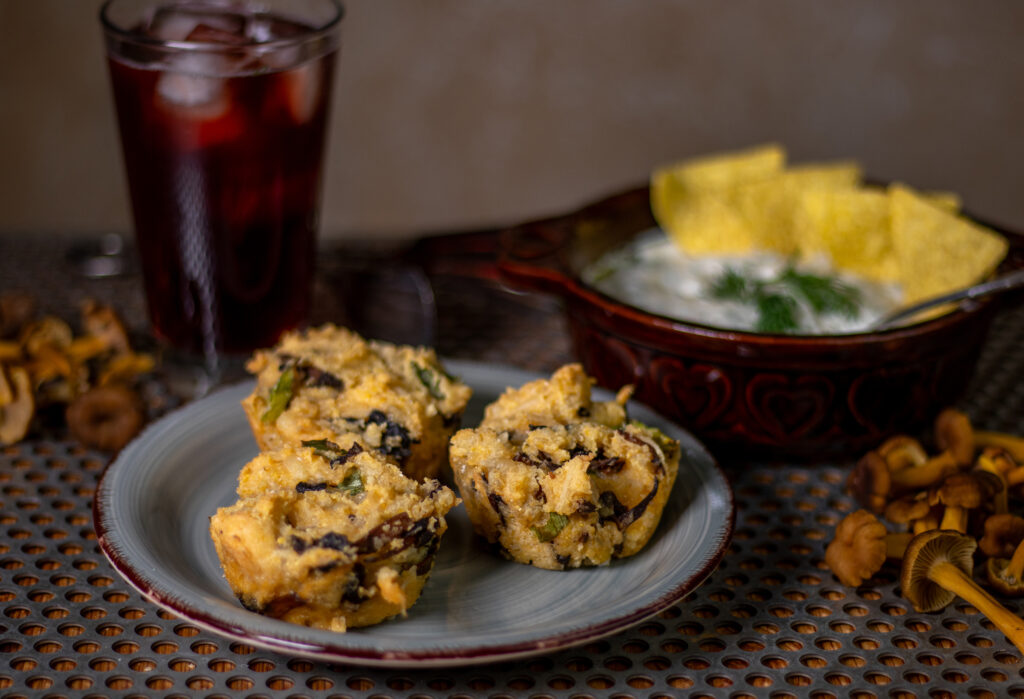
(611, 362)
(699, 393)
(881, 400)
(785, 407)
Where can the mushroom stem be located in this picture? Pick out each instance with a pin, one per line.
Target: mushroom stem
(896, 544)
(1009, 442)
(1015, 568)
(930, 472)
(949, 577)
(1001, 502)
(1015, 477)
(954, 518)
(928, 522)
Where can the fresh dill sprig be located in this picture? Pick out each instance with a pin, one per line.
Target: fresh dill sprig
(826, 295)
(776, 313)
(730, 285)
(778, 300)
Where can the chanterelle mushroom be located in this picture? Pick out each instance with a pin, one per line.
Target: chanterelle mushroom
(932, 471)
(105, 417)
(961, 493)
(914, 511)
(907, 509)
(16, 309)
(860, 547)
(1002, 534)
(953, 432)
(1010, 442)
(870, 482)
(937, 568)
(102, 321)
(1004, 543)
(19, 404)
(902, 451)
(999, 463)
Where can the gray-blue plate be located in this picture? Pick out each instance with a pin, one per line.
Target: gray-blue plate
(152, 511)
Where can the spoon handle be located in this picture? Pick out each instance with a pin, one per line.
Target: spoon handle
(998, 285)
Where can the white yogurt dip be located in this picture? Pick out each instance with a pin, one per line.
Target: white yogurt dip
(653, 274)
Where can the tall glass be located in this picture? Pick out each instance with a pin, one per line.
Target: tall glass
(222, 108)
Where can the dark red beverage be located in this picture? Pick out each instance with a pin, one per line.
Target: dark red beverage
(222, 116)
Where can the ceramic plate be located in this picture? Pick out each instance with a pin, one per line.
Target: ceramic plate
(152, 511)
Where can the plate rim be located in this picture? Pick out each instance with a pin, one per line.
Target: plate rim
(108, 542)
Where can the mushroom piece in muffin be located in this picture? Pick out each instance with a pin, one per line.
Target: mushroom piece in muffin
(329, 381)
(557, 480)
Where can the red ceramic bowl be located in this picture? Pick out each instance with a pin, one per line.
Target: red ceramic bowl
(763, 396)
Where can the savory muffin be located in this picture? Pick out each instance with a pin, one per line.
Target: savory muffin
(329, 381)
(329, 535)
(559, 481)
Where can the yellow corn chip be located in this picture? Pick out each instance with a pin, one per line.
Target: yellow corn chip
(709, 224)
(769, 205)
(938, 252)
(717, 172)
(703, 184)
(851, 226)
(947, 201)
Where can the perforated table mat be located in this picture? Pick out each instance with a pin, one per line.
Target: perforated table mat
(770, 622)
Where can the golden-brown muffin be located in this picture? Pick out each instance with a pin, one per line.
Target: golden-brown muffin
(329, 381)
(330, 535)
(559, 481)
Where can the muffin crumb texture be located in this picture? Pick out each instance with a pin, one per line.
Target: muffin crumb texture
(330, 535)
(557, 480)
(326, 381)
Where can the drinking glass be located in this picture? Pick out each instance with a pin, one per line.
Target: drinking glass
(222, 108)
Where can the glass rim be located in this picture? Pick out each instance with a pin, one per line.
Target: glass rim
(123, 34)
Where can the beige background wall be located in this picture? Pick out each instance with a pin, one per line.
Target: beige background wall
(462, 113)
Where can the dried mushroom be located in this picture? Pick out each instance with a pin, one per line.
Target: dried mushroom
(999, 464)
(1004, 544)
(954, 433)
(102, 322)
(47, 333)
(942, 501)
(16, 405)
(937, 568)
(907, 510)
(902, 451)
(860, 547)
(1002, 534)
(62, 370)
(870, 482)
(960, 493)
(16, 309)
(933, 470)
(915, 512)
(106, 417)
(1005, 575)
(1010, 442)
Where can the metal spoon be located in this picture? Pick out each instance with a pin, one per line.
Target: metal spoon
(1013, 280)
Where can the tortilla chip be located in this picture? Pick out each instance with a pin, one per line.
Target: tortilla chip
(851, 226)
(769, 205)
(718, 172)
(710, 224)
(938, 252)
(692, 201)
(947, 201)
